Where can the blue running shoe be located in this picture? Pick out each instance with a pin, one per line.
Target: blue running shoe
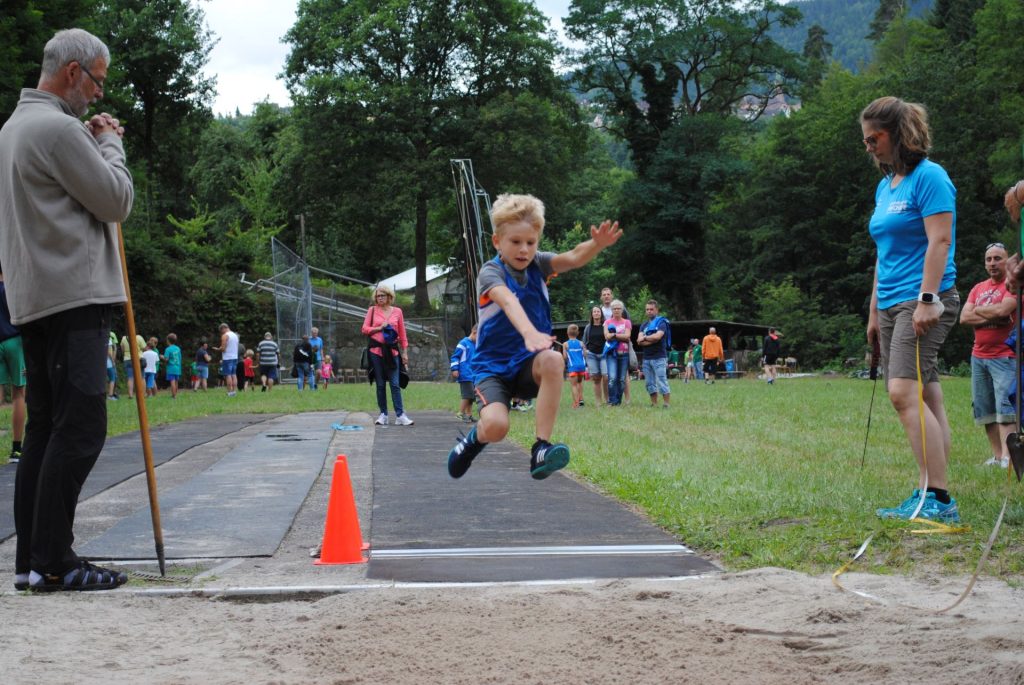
(904, 510)
(546, 458)
(463, 454)
(934, 510)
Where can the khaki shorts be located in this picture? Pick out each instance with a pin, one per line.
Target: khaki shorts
(898, 342)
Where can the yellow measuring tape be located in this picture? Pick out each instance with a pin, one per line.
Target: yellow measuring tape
(931, 527)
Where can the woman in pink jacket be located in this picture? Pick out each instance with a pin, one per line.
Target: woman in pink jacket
(389, 351)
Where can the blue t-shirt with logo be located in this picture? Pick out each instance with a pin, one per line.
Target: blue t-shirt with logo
(897, 227)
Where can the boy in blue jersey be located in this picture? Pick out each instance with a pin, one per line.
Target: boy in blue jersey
(513, 354)
(172, 357)
(462, 372)
(575, 364)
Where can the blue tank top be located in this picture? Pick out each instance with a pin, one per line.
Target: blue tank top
(577, 361)
(500, 350)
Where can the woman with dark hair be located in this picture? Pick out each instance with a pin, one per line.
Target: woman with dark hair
(389, 352)
(597, 363)
(914, 303)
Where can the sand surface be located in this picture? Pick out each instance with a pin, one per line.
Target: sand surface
(764, 626)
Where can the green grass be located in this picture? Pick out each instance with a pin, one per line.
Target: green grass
(752, 474)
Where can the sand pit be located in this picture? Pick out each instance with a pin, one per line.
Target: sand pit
(764, 626)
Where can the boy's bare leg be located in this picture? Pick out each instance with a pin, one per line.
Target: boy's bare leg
(548, 373)
(493, 423)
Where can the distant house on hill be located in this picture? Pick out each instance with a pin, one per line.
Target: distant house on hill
(437, 276)
(750, 105)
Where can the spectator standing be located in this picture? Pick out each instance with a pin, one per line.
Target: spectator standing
(653, 339)
(12, 373)
(248, 371)
(126, 355)
(202, 361)
(575, 364)
(270, 361)
(326, 371)
(63, 186)
(606, 309)
(151, 368)
(389, 351)
(688, 371)
(111, 364)
(229, 358)
(698, 359)
(597, 362)
(172, 357)
(771, 348)
(990, 310)
(302, 358)
(713, 354)
(462, 371)
(317, 343)
(914, 302)
(616, 331)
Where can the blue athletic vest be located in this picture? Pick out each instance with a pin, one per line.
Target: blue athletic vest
(577, 361)
(500, 349)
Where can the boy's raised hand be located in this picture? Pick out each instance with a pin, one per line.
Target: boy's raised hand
(607, 234)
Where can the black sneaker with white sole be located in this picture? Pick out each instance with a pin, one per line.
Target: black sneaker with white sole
(463, 454)
(546, 458)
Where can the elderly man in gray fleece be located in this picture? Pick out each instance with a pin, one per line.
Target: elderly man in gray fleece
(63, 186)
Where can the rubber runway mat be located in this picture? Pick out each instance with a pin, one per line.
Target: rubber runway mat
(242, 506)
(122, 458)
(498, 524)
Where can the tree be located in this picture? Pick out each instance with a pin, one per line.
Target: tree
(672, 75)
(403, 74)
(888, 11)
(158, 50)
(25, 27)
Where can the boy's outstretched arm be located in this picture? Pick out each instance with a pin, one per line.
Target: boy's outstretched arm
(535, 340)
(605, 235)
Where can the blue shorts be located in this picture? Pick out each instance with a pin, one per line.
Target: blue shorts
(228, 367)
(268, 370)
(203, 371)
(112, 374)
(128, 369)
(151, 379)
(597, 364)
(173, 377)
(990, 390)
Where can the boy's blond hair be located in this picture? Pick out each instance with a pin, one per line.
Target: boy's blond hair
(509, 208)
(573, 331)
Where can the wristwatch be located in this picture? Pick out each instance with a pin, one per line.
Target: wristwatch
(932, 298)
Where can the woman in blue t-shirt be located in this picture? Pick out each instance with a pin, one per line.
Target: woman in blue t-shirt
(914, 303)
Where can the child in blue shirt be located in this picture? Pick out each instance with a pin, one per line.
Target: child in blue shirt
(575, 364)
(513, 354)
(462, 371)
(172, 357)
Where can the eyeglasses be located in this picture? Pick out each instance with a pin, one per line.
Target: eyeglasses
(991, 245)
(381, 295)
(91, 77)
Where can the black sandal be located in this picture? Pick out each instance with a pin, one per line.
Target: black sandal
(83, 577)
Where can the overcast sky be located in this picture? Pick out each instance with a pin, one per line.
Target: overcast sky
(249, 54)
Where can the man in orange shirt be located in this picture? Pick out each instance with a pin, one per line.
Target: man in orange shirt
(714, 355)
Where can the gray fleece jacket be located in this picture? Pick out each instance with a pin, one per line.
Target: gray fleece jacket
(61, 193)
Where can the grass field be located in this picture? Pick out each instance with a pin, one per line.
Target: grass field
(753, 474)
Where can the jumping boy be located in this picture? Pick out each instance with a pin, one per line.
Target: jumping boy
(575, 364)
(513, 354)
(462, 371)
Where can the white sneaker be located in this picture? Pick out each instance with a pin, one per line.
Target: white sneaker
(1003, 462)
(382, 420)
(403, 420)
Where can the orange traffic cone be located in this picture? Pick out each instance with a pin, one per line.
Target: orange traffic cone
(343, 543)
